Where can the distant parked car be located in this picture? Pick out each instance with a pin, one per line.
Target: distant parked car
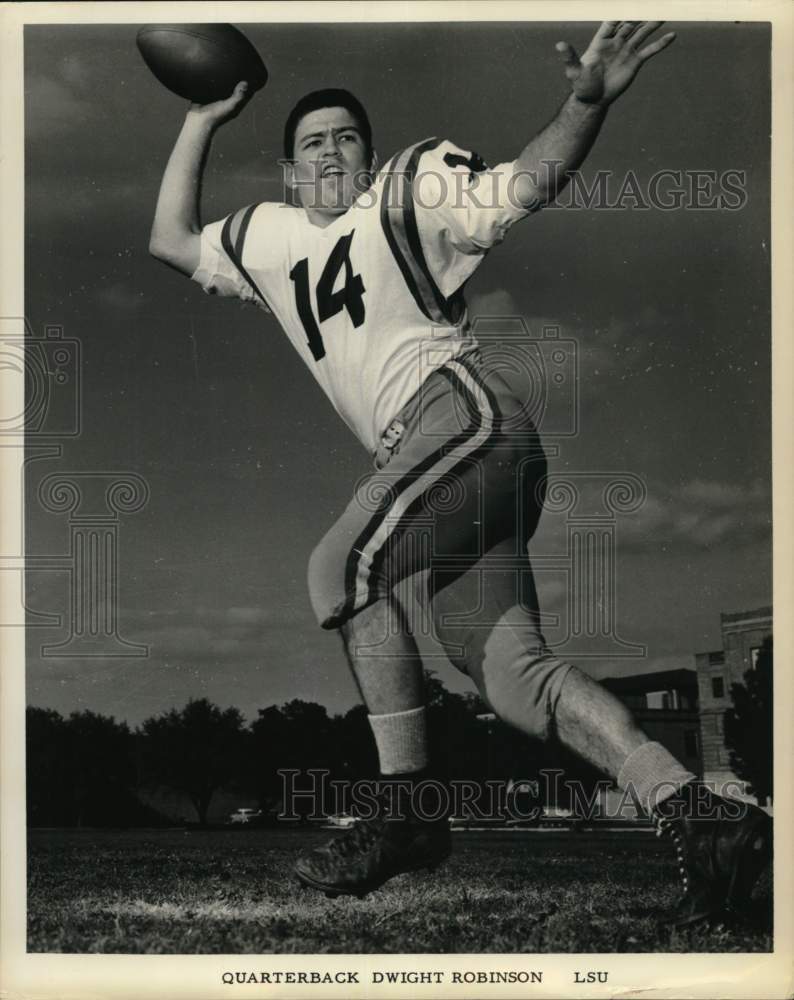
(246, 816)
(343, 820)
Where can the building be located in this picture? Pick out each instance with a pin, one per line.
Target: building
(743, 634)
(665, 705)
(684, 709)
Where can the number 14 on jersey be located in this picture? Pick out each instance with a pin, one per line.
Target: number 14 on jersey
(329, 302)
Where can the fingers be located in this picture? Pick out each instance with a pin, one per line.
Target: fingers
(627, 29)
(657, 46)
(239, 97)
(568, 54)
(645, 29)
(607, 29)
(636, 31)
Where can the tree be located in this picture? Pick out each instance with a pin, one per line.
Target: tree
(197, 750)
(101, 765)
(80, 770)
(355, 745)
(748, 726)
(459, 743)
(310, 743)
(297, 736)
(269, 735)
(48, 784)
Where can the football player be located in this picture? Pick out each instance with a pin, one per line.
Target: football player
(365, 274)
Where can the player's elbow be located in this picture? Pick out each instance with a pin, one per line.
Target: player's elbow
(158, 248)
(161, 242)
(530, 191)
(180, 253)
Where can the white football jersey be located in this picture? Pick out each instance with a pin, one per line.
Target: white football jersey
(373, 302)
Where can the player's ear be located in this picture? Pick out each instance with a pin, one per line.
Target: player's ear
(374, 162)
(288, 173)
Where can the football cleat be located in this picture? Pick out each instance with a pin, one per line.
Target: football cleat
(722, 848)
(371, 852)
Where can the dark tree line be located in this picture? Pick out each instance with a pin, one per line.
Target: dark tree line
(88, 769)
(81, 770)
(197, 750)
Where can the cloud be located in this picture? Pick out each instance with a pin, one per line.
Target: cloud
(97, 196)
(198, 634)
(700, 514)
(119, 295)
(723, 495)
(703, 514)
(233, 634)
(74, 71)
(199, 645)
(248, 616)
(498, 302)
(623, 347)
(52, 108)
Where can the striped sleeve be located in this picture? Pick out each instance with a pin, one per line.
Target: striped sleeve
(463, 208)
(221, 270)
(401, 227)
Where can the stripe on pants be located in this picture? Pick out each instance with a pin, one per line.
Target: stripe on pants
(370, 547)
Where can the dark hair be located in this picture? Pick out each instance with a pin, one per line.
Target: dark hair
(329, 98)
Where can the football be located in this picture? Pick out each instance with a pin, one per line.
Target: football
(201, 62)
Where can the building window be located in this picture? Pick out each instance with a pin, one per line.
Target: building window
(718, 687)
(691, 742)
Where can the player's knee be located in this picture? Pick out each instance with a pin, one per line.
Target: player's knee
(334, 596)
(525, 691)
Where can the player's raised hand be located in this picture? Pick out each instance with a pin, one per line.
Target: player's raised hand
(219, 112)
(612, 59)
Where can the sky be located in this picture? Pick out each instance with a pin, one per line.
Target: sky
(246, 462)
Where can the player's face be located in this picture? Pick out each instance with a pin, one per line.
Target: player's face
(330, 161)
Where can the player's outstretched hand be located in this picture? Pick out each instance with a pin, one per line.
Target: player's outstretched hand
(612, 59)
(223, 111)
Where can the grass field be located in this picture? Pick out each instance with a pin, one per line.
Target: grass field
(176, 892)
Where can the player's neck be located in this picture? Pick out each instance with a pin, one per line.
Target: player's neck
(323, 217)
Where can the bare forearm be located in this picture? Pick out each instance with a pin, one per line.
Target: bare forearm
(177, 220)
(560, 147)
(609, 65)
(176, 229)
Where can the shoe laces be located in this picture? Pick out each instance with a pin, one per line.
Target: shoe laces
(361, 837)
(667, 828)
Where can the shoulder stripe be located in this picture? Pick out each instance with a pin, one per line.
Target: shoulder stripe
(233, 240)
(452, 308)
(390, 219)
(398, 219)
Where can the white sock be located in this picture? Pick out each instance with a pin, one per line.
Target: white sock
(401, 738)
(654, 774)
